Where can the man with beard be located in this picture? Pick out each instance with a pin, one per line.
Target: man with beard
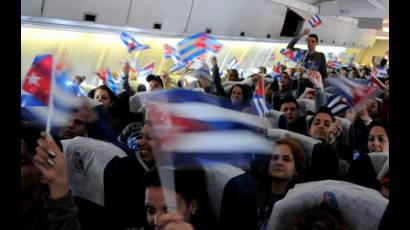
(248, 199)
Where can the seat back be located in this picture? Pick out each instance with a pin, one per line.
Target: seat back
(217, 176)
(362, 208)
(306, 105)
(86, 159)
(274, 118)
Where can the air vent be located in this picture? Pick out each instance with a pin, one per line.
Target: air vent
(333, 42)
(344, 43)
(321, 40)
(242, 34)
(157, 26)
(268, 36)
(208, 30)
(91, 17)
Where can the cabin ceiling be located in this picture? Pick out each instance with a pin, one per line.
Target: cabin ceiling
(353, 8)
(370, 12)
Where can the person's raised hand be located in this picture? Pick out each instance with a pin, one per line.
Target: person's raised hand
(335, 130)
(174, 221)
(316, 78)
(49, 160)
(126, 68)
(306, 31)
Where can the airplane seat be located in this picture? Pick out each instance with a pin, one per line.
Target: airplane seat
(306, 105)
(276, 119)
(362, 208)
(217, 175)
(307, 142)
(86, 159)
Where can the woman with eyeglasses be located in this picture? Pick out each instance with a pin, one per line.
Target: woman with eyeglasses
(371, 169)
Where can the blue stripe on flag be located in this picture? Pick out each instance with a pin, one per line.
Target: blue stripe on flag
(190, 57)
(190, 39)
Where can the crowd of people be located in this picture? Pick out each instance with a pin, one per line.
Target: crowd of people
(350, 154)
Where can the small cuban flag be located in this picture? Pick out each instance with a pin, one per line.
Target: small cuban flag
(315, 21)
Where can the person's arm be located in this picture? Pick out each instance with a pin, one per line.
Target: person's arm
(126, 85)
(320, 98)
(292, 43)
(59, 205)
(217, 77)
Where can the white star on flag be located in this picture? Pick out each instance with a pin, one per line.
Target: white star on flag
(33, 79)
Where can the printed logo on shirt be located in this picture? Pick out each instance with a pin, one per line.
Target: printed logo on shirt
(78, 164)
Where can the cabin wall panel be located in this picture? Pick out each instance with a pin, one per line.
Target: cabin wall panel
(111, 12)
(173, 15)
(31, 7)
(255, 18)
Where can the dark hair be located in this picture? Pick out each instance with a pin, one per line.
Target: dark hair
(380, 124)
(322, 109)
(286, 75)
(262, 69)
(345, 68)
(366, 70)
(234, 73)
(314, 36)
(79, 78)
(330, 218)
(287, 100)
(383, 62)
(112, 95)
(190, 184)
(29, 134)
(153, 77)
(245, 91)
(141, 88)
(274, 86)
(183, 184)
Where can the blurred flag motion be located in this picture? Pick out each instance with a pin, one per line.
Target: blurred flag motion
(196, 45)
(187, 122)
(131, 43)
(36, 90)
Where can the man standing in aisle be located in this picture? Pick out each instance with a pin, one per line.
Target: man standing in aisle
(311, 58)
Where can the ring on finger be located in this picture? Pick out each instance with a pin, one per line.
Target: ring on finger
(50, 162)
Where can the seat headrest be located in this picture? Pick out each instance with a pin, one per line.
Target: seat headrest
(306, 105)
(273, 117)
(362, 208)
(307, 142)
